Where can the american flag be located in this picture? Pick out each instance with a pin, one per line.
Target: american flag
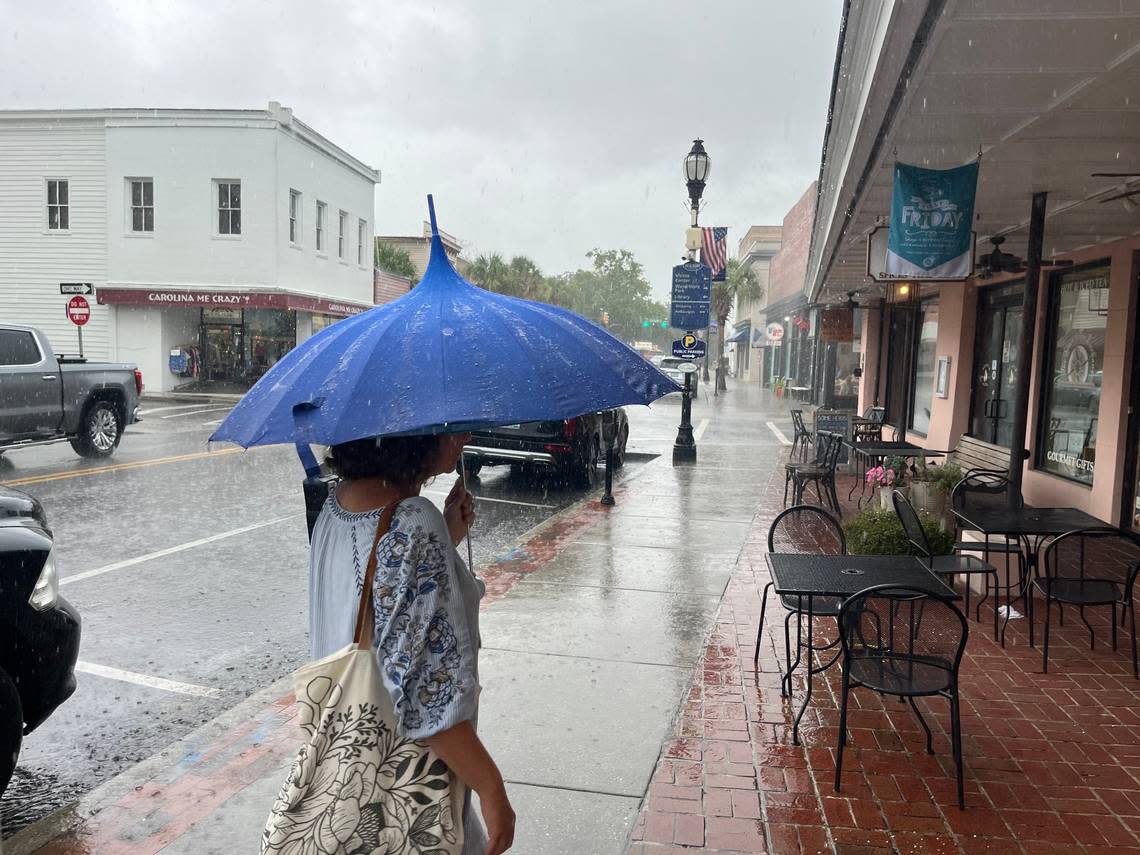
(714, 251)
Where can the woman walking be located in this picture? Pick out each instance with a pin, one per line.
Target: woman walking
(425, 603)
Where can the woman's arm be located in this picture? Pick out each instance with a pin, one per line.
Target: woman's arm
(462, 750)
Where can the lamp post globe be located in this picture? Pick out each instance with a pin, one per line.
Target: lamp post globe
(697, 166)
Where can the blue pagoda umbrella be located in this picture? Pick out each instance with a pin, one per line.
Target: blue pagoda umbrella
(446, 357)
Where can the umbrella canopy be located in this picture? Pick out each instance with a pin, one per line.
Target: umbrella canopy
(446, 357)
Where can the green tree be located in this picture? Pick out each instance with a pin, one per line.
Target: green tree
(394, 260)
(741, 284)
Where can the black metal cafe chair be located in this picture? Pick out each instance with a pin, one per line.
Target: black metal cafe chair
(821, 473)
(906, 643)
(982, 489)
(870, 428)
(949, 566)
(1088, 567)
(802, 530)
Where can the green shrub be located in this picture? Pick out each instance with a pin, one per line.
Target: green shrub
(874, 531)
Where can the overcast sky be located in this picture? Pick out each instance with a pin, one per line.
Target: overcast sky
(542, 128)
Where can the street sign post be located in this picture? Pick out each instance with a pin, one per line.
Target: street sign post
(689, 346)
(68, 288)
(691, 296)
(79, 313)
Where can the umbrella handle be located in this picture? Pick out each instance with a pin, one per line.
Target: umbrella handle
(463, 476)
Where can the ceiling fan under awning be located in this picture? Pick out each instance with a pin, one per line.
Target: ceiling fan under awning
(998, 261)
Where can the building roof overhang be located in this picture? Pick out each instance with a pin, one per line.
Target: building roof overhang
(1048, 95)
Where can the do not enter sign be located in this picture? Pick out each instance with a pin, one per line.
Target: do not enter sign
(78, 310)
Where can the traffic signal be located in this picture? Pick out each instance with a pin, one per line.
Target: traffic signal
(645, 324)
(605, 319)
(664, 325)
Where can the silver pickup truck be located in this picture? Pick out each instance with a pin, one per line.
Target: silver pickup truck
(45, 398)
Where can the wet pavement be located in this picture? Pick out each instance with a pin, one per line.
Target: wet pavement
(191, 567)
(594, 623)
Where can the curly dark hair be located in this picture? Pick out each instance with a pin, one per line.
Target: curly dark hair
(403, 461)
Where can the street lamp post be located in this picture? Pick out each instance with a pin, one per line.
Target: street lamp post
(696, 174)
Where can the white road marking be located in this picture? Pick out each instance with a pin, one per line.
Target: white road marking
(699, 431)
(196, 412)
(154, 410)
(214, 423)
(162, 553)
(146, 680)
(779, 434)
(500, 501)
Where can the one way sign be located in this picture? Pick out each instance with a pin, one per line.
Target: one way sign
(84, 288)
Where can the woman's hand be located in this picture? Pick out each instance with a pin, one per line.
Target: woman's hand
(499, 817)
(459, 512)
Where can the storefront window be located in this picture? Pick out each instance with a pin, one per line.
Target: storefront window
(270, 333)
(925, 361)
(1076, 356)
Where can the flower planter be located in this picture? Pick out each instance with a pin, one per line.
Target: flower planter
(779, 391)
(885, 500)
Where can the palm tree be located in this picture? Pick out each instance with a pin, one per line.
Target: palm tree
(490, 272)
(740, 284)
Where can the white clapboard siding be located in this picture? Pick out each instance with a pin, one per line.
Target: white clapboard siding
(34, 261)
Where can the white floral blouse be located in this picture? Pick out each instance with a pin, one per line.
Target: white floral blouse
(427, 616)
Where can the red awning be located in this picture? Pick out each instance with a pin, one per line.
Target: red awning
(179, 298)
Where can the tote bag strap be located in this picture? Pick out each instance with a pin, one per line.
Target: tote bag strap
(365, 608)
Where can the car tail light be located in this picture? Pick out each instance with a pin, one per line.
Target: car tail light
(558, 449)
(46, 591)
(569, 427)
(138, 382)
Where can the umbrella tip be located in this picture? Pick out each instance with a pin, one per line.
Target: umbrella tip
(431, 216)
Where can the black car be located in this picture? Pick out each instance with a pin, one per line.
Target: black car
(573, 448)
(39, 630)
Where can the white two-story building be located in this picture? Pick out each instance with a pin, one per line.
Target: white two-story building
(214, 240)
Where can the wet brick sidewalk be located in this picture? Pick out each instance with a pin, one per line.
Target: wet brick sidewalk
(1052, 761)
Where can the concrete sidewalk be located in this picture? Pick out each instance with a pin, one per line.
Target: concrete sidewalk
(593, 627)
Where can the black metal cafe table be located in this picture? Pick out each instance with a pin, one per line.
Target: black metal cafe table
(1031, 526)
(809, 576)
(874, 452)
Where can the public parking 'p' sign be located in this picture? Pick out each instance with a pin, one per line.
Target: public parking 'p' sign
(78, 310)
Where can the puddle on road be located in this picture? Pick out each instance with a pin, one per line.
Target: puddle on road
(31, 796)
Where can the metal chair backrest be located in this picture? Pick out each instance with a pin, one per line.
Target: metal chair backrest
(829, 459)
(1107, 554)
(875, 415)
(912, 526)
(900, 623)
(798, 422)
(807, 530)
(983, 488)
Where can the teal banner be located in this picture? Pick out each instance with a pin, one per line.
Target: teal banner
(932, 211)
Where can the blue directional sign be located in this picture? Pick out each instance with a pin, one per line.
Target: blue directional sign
(692, 296)
(689, 346)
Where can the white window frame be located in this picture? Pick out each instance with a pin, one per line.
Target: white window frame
(130, 194)
(361, 239)
(217, 209)
(342, 236)
(48, 205)
(296, 221)
(322, 220)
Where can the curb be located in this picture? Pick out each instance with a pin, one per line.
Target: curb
(68, 819)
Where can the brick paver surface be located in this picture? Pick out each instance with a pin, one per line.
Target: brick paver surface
(1052, 760)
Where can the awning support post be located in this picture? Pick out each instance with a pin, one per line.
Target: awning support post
(1017, 451)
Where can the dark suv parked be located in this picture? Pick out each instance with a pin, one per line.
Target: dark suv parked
(573, 447)
(39, 630)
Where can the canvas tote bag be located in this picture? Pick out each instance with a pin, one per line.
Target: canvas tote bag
(356, 785)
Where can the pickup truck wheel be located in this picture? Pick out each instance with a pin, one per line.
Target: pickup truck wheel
(11, 729)
(99, 432)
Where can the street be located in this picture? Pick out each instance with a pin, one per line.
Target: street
(189, 568)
